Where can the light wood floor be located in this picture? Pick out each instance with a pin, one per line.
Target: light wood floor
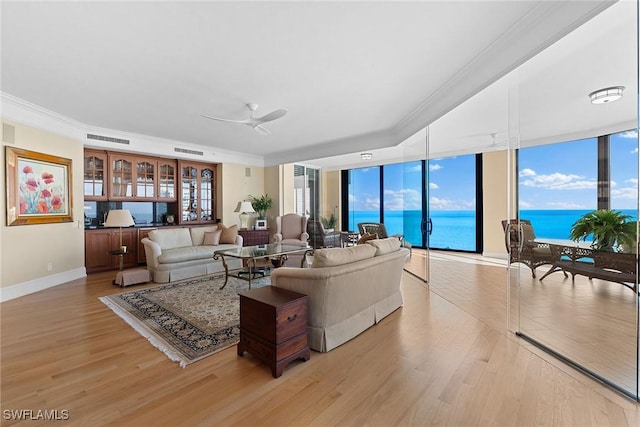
(444, 358)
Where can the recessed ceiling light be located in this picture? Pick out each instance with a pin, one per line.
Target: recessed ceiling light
(606, 95)
(366, 156)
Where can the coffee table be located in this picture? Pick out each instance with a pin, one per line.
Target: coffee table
(251, 254)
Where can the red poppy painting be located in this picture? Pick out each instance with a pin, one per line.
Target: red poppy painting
(38, 188)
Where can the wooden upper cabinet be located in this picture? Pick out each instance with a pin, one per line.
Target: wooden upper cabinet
(166, 180)
(95, 175)
(121, 176)
(197, 187)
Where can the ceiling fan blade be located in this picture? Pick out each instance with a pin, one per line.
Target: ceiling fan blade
(225, 120)
(274, 115)
(262, 130)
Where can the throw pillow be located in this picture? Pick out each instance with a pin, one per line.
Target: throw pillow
(365, 237)
(212, 238)
(385, 246)
(229, 235)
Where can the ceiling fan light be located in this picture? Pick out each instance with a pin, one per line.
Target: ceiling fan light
(606, 95)
(366, 156)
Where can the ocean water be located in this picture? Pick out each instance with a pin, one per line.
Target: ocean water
(457, 229)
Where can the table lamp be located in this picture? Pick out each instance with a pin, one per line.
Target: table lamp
(119, 218)
(245, 208)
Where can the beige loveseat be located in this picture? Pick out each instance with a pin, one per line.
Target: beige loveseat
(180, 253)
(350, 289)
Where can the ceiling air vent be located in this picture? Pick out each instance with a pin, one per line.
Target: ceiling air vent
(184, 150)
(108, 139)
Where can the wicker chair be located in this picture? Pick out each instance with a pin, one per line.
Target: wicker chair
(320, 238)
(528, 252)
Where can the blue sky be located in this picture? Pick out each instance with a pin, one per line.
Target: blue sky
(553, 176)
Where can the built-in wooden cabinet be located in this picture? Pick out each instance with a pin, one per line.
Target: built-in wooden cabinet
(98, 244)
(95, 175)
(197, 186)
(120, 176)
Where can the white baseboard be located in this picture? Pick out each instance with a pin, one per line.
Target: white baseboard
(26, 288)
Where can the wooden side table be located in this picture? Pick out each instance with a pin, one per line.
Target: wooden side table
(254, 237)
(273, 326)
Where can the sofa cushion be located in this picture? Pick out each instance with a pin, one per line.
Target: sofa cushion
(385, 246)
(330, 257)
(169, 238)
(228, 234)
(212, 238)
(186, 254)
(197, 233)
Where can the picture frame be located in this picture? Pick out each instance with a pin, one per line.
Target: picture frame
(261, 224)
(38, 187)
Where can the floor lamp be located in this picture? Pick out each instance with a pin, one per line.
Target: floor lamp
(119, 218)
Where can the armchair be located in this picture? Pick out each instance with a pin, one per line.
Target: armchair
(291, 229)
(320, 238)
(527, 251)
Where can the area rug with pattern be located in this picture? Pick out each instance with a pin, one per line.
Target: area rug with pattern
(187, 320)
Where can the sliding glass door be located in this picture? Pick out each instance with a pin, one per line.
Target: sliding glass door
(573, 277)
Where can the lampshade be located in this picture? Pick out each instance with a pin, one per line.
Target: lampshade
(606, 95)
(119, 218)
(244, 207)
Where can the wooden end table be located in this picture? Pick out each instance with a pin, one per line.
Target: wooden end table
(273, 326)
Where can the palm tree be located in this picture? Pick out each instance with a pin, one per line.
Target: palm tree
(610, 229)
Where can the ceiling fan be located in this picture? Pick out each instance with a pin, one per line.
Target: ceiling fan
(255, 122)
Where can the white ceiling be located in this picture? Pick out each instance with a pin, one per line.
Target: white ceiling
(355, 76)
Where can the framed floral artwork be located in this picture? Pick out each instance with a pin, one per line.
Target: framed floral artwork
(38, 188)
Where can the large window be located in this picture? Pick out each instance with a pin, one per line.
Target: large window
(554, 192)
(364, 196)
(395, 195)
(452, 203)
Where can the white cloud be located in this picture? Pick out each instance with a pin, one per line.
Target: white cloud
(405, 199)
(371, 204)
(434, 167)
(559, 181)
(629, 193)
(433, 186)
(633, 181)
(525, 205)
(527, 172)
(630, 134)
(634, 151)
(447, 204)
(416, 168)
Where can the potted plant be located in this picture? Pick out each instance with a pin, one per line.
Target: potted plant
(609, 229)
(261, 205)
(329, 223)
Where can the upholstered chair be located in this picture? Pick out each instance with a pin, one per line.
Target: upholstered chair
(291, 229)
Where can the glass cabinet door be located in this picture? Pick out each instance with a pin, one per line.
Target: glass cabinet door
(145, 179)
(166, 180)
(95, 175)
(121, 177)
(189, 194)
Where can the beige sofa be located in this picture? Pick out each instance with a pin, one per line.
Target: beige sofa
(179, 253)
(349, 289)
